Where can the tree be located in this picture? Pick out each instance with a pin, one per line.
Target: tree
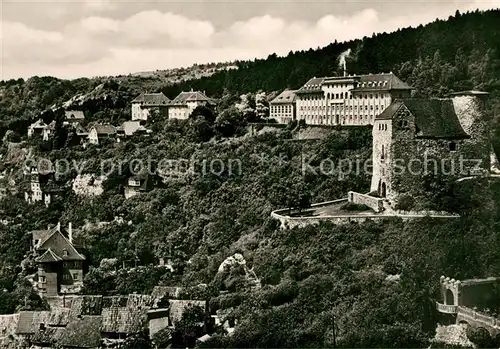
(204, 112)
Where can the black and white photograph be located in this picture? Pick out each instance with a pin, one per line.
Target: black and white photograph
(195, 174)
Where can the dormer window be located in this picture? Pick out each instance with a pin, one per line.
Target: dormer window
(453, 146)
(65, 253)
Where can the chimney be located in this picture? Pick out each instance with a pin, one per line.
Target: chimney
(58, 226)
(345, 68)
(70, 232)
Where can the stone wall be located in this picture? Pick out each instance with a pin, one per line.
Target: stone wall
(376, 204)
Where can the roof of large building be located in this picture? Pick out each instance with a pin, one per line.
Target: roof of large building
(364, 83)
(193, 96)
(380, 82)
(434, 118)
(312, 86)
(285, 97)
(152, 99)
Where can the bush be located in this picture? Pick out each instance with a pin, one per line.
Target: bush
(405, 202)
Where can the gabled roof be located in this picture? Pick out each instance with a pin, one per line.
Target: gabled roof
(152, 99)
(48, 257)
(192, 96)
(434, 118)
(29, 321)
(285, 97)
(380, 82)
(74, 115)
(312, 86)
(58, 243)
(80, 131)
(123, 320)
(178, 307)
(38, 124)
(105, 129)
(83, 332)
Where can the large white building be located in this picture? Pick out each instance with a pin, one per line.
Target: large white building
(183, 105)
(282, 108)
(348, 100)
(145, 102)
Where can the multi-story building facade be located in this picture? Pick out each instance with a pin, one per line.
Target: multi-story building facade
(348, 100)
(60, 264)
(282, 108)
(146, 102)
(183, 105)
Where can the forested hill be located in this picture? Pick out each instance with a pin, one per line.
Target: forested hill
(462, 52)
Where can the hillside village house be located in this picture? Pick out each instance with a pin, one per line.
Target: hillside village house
(60, 264)
(129, 128)
(282, 108)
(146, 102)
(99, 132)
(139, 183)
(73, 116)
(348, 100)
(184, 104)
(36, 128)
(444, 129)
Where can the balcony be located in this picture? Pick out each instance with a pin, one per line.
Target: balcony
(446, 309)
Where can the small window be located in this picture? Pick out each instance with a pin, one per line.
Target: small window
(65, 253)
(382, 155)
(65, 277)
(41, 279)
(75, 276)
(453, 146)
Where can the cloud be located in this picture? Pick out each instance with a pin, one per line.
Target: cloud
(149, 40)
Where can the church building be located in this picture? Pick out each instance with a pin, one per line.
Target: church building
(415, 139)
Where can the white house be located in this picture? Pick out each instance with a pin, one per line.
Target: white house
(73, 116)
(36, 128)
(145, 102)
(184, 104)
(98, 132)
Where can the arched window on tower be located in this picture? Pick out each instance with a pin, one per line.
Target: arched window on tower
(382, 155)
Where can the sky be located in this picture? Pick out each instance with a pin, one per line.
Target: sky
(85, 38)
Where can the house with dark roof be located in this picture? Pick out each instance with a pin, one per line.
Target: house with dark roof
(99, 132)
(282, 108)
(413, 138)
(140, 183)
(349, 99)
(60, 263)
(143, 104)
(183, 105)
(73, 116)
